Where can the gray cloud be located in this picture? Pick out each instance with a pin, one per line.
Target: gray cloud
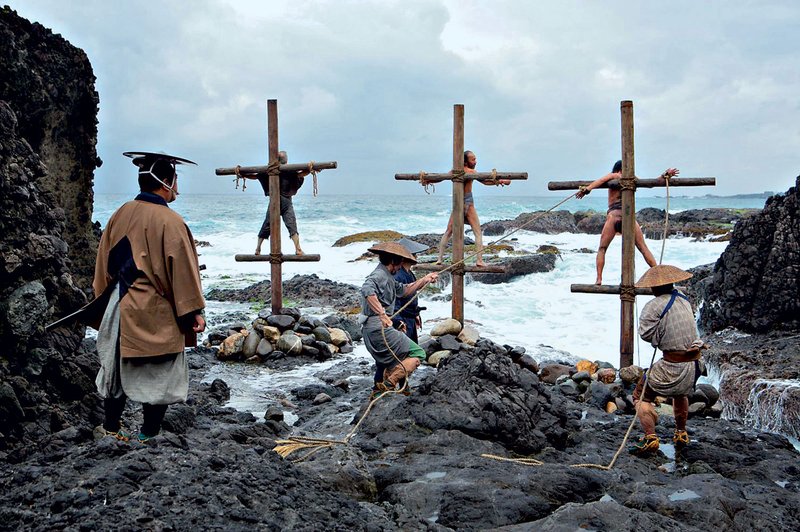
(372, 84)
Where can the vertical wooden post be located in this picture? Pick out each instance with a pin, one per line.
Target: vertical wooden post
(274, 208)
(628, 186)
(458, 212)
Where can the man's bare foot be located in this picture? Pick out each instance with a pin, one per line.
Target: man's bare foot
(298, 251)
(599, 281)
(480, 264)
(438, 262)
(258, 251)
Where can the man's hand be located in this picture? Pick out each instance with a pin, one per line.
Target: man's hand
(669, 172)
(431, 277)
(582, 192)
(402, 327)
(199, 323)
(418, 321)
(386, 321)
(503, 182)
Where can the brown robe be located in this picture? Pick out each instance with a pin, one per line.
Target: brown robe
(169, 286)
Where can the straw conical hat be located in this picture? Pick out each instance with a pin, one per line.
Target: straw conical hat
(661, 275)
(393, 248)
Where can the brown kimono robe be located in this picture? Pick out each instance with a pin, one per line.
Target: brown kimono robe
(162, 283)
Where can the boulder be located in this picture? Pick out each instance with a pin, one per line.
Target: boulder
(346, 348)
(429, 344)
(580, 376)
(588, 366)
(528, 362)
(290, 343)
(468, 335)
(281, 321)
(448, 326)
(449, 342)
(517, 266)
(549, 373)
(631, 374)
(231, 348)
(273, 413)
(322, 398)
(438, 356)
(606, 375)
(711, 393)
(322, 334)
(250, 345)
(264, 347)
(338, 337)
(267, 331)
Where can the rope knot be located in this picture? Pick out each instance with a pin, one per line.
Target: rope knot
(274, 167)
(627, 183)
(627, 293)
(313, 171)
(458, 176)
(425, 183)
(275, 258)
(238, 172)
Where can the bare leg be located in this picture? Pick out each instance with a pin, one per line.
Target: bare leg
(296, 239)
(641, 245)
(445, 237)
(647, 417)
(472, 218)
(258, 246)
(680, 406)
(606, 237)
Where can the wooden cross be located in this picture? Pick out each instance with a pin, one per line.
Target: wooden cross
(274, 169)
(628, 183)
(457, 176)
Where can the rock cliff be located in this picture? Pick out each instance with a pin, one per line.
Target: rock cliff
(756, 282)
(49, 84)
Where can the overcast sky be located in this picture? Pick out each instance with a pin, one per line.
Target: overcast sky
(371, 84)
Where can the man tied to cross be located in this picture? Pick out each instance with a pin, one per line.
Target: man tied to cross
(613, 224)
(470, 213)
(291, 181)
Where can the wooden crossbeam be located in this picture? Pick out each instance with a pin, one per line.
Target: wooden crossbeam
(640, 183)
(457, 254)
(275, 257)
(627, 186)
(289, 167)
(612, 289)
(477, 176)
(489, 268)
(283, 258)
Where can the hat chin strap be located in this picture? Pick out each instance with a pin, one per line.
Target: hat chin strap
(150, 171)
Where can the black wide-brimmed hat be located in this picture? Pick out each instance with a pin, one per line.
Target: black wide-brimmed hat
(393, 248)
(412, 246)
(140, 157)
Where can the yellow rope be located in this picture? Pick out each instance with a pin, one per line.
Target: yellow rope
(426, 184)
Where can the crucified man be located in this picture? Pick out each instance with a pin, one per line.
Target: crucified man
(470, 214)
(613, 225)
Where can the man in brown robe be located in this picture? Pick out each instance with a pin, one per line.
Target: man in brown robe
(148, 268)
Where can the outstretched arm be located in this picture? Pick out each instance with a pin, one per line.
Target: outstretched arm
(596, 183)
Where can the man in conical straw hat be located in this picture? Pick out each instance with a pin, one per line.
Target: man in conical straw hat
(378, 295)
(668, 323)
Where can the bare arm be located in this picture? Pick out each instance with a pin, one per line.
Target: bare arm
(596, 183)
(419, 283)
(377, 308)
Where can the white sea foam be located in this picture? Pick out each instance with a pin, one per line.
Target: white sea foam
(536, 311)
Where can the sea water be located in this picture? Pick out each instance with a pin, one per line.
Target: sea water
(535, 311)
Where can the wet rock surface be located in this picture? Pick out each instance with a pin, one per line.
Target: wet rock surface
(696, 223)
(302, 290)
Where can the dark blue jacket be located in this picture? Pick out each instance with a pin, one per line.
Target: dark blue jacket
(411, 311)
